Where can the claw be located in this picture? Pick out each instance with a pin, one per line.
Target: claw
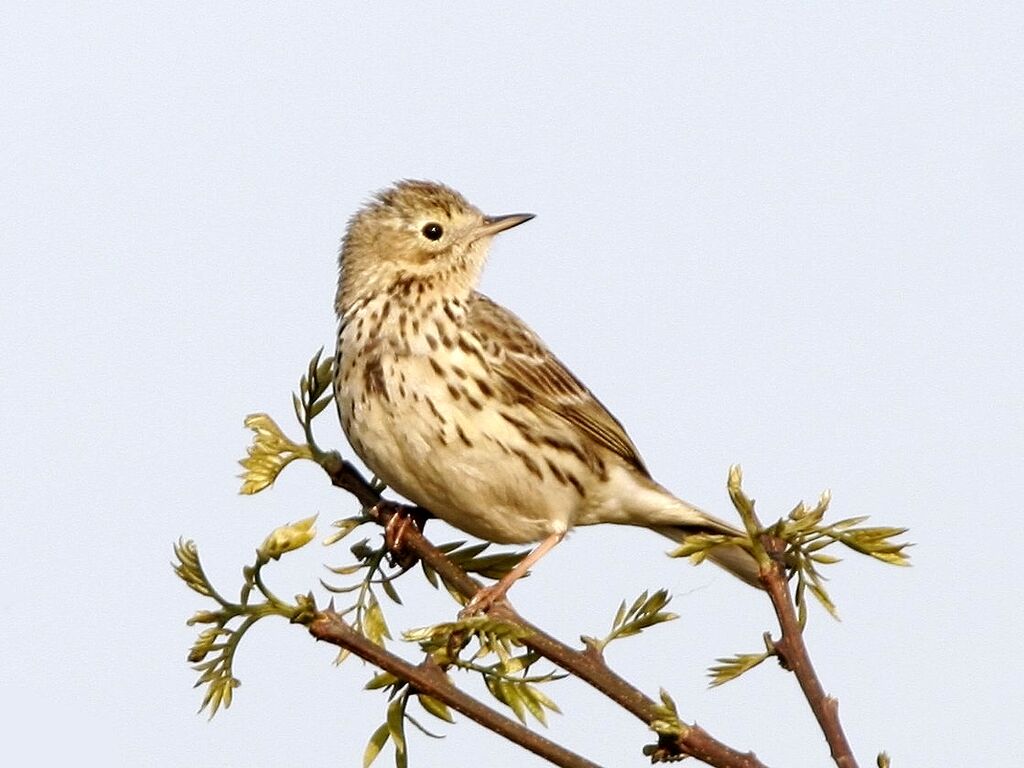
(396, 529)
(484, 600)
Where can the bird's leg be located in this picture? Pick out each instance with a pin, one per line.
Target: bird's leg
(488, 596)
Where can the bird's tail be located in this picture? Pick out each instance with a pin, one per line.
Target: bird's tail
(654, 507)
(732, 557)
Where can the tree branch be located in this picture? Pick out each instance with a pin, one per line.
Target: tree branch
(427, 678)
(345, 476)
(793, 655)
(587, 665)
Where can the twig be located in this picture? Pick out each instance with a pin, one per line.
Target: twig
(793, 654)
(427, 678)
(587, 665)
(345, 476)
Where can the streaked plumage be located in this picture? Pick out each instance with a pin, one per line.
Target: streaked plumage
(457, 405)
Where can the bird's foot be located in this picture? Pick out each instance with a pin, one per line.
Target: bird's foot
(397, 528)
(484, 599)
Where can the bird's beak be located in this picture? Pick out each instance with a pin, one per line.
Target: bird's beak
(494, 224)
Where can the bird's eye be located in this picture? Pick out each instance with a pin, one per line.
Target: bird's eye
(432, 231)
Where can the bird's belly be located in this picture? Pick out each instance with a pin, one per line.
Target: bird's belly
(445, 446)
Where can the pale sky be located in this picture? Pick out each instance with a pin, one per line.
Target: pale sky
(785, 236)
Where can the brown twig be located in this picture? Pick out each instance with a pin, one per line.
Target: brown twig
(427, 678)
(345, 476)
(793, 655)
(588, 665)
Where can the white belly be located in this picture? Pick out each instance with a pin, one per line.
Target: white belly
(456, 456)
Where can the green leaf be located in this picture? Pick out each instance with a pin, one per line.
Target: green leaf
(345, 527)
(731, 667)
(620, 615)
(527, 694)
(451, 546)
(646, 611)
(430, 573)
(376, 744)
(346, 570)
(490, 632)
(667, 723)
(189, 569)
(437, 708)
(468, 553)
(697, 545)
(511, 696)
(396, 727)
(219, 691)
(389, 589)
(374, 626)
(666, 700)
(536, 701)
(848, 523)
(494, 566)
(270, 452)
(826, 559)
(317, 408)
(381, 680)
(824, 599)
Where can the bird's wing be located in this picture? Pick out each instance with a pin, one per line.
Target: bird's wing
(530, 374)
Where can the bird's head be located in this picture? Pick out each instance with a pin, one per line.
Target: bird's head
(417, 231)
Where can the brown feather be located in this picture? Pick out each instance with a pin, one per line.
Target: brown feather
(532, 374)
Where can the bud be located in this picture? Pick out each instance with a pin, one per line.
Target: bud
(286, 538)
(204, 617)
(205, 642)
(270, 452)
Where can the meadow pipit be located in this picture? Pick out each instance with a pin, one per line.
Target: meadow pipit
(457, 405)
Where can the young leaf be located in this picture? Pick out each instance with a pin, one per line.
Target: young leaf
(376, 744)
(396, 727)
(437, 708)
(729, 668)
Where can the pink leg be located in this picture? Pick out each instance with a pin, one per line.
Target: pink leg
(488, 596)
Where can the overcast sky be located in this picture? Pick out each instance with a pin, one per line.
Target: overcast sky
(786, 236)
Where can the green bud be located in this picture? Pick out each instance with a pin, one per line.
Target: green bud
(286, 538)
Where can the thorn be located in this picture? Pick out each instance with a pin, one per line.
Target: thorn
(592, 647)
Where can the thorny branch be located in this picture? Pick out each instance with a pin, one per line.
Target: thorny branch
(588, 665)
(789, 550)
(429, 679)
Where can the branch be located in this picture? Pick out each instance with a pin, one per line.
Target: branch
(791, 543)
(427, 678)
(587, 665)
(791, 547)
(344, 475)
(793, 655)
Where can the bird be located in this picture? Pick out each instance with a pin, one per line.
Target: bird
(456, 404)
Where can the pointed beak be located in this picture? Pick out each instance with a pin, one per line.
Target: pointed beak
(494, 224)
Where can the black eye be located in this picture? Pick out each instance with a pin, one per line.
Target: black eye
(432, 231)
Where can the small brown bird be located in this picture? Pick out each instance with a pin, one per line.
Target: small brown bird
(457, 405)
